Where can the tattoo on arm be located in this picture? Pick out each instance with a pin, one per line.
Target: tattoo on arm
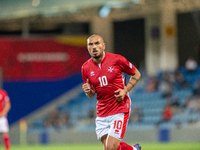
(134, 79)
(131, 84)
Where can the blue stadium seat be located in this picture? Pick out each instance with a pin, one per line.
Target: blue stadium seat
(152, 105)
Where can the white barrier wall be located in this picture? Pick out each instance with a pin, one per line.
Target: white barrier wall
(175, 135)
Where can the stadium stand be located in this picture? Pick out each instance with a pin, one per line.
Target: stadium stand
(150, 104)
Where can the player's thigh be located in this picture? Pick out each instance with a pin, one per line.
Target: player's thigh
(109, 142)
(103, 141)
(112, 143)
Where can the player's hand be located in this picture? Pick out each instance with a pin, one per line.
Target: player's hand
(120, 94)
(86, 87)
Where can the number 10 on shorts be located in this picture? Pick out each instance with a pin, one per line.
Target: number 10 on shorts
(117, 124)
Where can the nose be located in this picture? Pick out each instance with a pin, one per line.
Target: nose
(94, 47)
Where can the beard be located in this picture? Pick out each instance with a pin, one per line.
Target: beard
(97, 56)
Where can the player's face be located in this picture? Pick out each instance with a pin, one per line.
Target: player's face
(96, 46)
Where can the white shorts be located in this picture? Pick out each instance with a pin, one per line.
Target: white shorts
(4, 127)
(114, 125)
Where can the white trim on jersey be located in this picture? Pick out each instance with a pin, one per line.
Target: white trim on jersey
(130, 65)
(99, 65)
(124, 80)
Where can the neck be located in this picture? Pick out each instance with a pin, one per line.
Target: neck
(98, 60)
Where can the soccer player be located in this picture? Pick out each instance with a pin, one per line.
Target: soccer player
(4, 109)
(104, 74)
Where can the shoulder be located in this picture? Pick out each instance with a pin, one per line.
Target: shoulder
(117, 57)
(87, 65)
(114, 56)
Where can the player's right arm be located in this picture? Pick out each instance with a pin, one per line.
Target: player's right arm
(89, 91)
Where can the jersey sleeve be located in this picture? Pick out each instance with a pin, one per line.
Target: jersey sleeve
(83, 72)
(126, 66)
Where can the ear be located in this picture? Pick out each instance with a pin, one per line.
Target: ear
(104, 45)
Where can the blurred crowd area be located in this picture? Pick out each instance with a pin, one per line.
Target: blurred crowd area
(170, 99)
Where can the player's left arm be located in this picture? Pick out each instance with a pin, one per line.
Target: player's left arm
(132, 82)
(6, 109)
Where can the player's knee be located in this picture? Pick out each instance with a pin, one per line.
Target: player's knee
(111, 147)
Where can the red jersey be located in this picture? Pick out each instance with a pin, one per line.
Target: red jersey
(3, 99)
(106, 78)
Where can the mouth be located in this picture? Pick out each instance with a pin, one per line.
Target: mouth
(95, 52)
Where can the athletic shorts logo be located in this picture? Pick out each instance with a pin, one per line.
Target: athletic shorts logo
(116, 132)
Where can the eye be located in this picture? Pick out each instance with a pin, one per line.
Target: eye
(97, 43)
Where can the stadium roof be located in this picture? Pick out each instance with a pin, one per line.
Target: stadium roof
(26, 8)
(17, 12)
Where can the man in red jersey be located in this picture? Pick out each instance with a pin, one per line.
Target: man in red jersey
(104, 74)
(4, 109)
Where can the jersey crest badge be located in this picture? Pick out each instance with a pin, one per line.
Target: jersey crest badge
(110, 69)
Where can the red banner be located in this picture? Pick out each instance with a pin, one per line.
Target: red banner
(41, 58)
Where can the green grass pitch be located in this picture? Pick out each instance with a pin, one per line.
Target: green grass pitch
(145, 146)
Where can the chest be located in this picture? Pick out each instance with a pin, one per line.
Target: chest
(104, 74)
